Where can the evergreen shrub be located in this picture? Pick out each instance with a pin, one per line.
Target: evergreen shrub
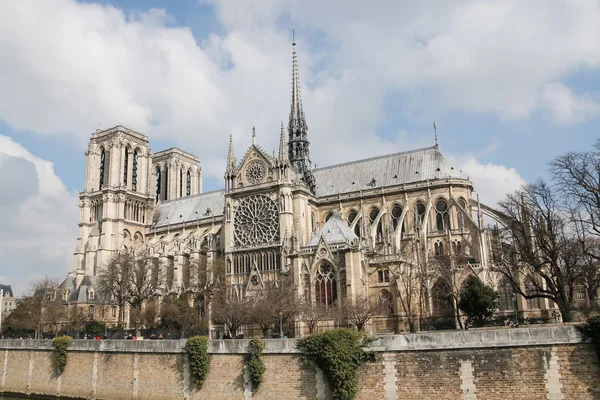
(339, 353)
(254, 362)
(197, 350)
(60, 344)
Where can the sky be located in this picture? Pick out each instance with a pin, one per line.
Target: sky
(510, 84)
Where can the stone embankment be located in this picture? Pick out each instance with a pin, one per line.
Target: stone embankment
(524, 363)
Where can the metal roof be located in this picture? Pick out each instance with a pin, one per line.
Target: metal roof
(389, 170)
(335, 230)
(189, 208)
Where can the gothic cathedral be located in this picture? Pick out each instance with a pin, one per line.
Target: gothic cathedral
(341, 232)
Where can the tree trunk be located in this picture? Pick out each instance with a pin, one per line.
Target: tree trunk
(565, 311)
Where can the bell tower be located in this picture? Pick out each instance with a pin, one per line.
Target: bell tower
(116, 204)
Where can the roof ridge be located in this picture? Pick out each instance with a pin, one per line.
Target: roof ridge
(376, 158)
(192, 196)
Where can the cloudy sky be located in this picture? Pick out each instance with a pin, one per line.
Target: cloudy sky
(510, 85)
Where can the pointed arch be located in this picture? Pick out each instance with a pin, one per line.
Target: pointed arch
(188, 183)
(442, 215)
(126, 165)
(102, 169)
(134, 173)
(325, 284)
(353, 222)
(158, 183)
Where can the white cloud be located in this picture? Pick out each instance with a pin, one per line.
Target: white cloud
(39, 218)
(491, 181)
(565, 107)
(67, 66)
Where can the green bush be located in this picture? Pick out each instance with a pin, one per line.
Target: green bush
(339, 353)
(591, 330)
(197, 350)
(254, 362)
(60, 344)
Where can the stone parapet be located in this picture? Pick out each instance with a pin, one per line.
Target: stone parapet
(539, 336)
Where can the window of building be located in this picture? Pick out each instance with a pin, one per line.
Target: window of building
(383, 275)
(188, 183)
(351, 218)
(126, 165)
(134, 174)
(181, 182)
(114, 311)
(158, 184)
(372, 217)
(91, 312)
(102, 167)
(534, 303)
(459, 214)
(328, 216)
(325, 285)
(581, 295)
(438, 249)
(506, 299)
(165, 191)
(386, 303)
(442, 217)
(396, 215)
(419, 216)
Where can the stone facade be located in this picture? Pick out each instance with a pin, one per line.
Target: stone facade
(536, 363)
(342, 232)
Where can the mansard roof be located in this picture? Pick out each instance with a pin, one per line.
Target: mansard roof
(334, 231)
(189, 208)
(389, 170)
(7, 290)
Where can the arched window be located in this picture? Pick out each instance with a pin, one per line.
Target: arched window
(158, 184)
(188, 183)
(441, 299)
(126, 165)
(325, 285)
(460, 216)
(372, 217)
(313, 223)
(438, 248)
(396, 215)
(180, 182)
(102, 167)
(165, 194)
(328, 216)
(442, 216)
(535, 303)
(385, 301)
(134, 174)
(351, 218)
(419, 216)
(506, 301)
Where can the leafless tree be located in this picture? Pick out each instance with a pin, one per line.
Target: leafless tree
(129, 278)
(207, 277)
(410, 279)
(231, 311)
(542, 255)
(577, 176)
(45, 295)
(361, 311)
(311, 314)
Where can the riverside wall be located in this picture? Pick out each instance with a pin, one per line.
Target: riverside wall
(523, 363)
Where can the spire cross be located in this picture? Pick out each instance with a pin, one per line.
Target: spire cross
(435, 133)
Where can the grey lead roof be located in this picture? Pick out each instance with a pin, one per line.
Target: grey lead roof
(189, 208)
(335, 230)
(389, 170)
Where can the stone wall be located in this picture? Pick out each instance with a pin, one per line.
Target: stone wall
(534, 363)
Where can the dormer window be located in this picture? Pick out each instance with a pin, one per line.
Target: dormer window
(91, 294)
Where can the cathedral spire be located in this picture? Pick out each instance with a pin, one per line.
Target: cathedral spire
(283, 155)
(298, 140)
(254, 136)
(230, 158)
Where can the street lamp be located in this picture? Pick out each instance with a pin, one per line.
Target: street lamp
(280, 324)
(515, 305)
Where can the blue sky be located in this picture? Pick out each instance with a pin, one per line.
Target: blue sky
(510, 84)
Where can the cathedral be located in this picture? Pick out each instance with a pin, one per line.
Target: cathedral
(341, 232)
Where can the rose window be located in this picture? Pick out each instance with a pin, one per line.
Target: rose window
(256, 221)
(255, 172)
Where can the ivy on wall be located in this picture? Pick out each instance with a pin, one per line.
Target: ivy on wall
(197, 351)
(339, 353)
(254, 362)
(591, 330)
(60, 344)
